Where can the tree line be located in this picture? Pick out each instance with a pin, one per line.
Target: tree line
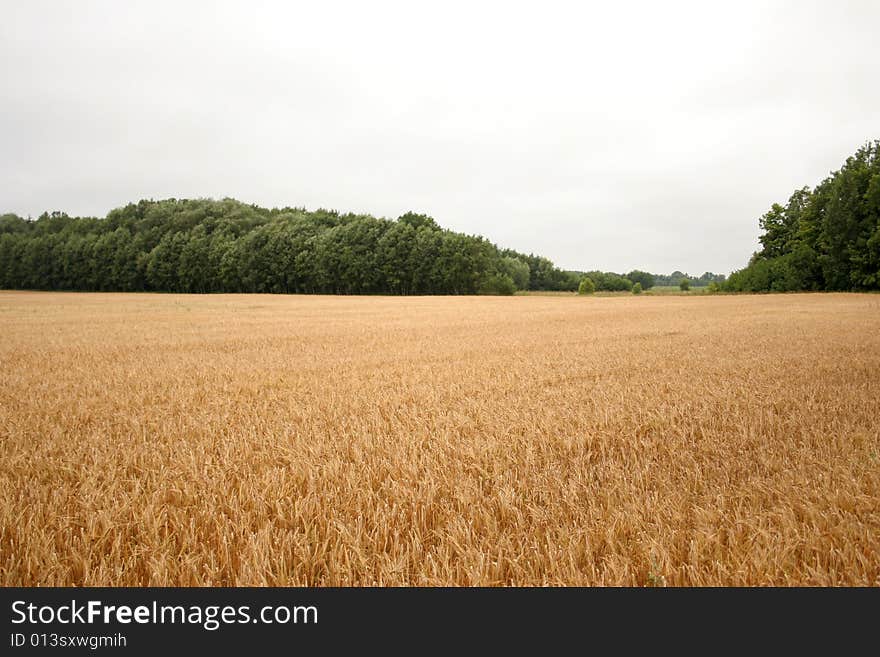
(825, 238)
(676, 277)
(205, 245)
(612, 282)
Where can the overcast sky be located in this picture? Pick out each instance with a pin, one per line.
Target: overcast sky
(608, 135)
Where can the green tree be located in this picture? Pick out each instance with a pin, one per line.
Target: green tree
(163, 263)
(645, 279)
(610, 282)
(205, 245)
(395, 262)
(777, 232)
(12, 223)
(498, 284)
(684, 285)
(824, 238)
(637, 288)
(518, 271)
(417, 221)
(586, 286)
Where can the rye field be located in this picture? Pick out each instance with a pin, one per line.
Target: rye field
(530, 440)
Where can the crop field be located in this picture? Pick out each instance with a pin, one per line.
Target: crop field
(293, 440)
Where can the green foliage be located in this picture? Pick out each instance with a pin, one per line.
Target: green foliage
(684, 285)
(498, 284)
(11, 223)
(543, 275)
(713, 288)
(646, 280)
(787, 273)
(206, 245)
(616, 282)
(673, 279)
(586, 286)
(518, 271)
(608, 281)
(827, 238)
(637, 288)
(417, 221)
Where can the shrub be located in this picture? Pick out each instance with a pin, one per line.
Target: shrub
(587, 286)
(713, 288)
(637, 288)
(684, 285)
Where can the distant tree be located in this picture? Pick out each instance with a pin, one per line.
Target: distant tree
(706, 278)
(695, 281)
(713, 288)
(610, 282)
(676, 276)
(586, 286)
(642, 277)
(684, 285)
(637, 288)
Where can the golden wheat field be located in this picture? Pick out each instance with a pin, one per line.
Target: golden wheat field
(284, 440)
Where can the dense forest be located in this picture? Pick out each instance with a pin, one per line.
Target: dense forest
(205, 245)
(825, 238)
(227, 246)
